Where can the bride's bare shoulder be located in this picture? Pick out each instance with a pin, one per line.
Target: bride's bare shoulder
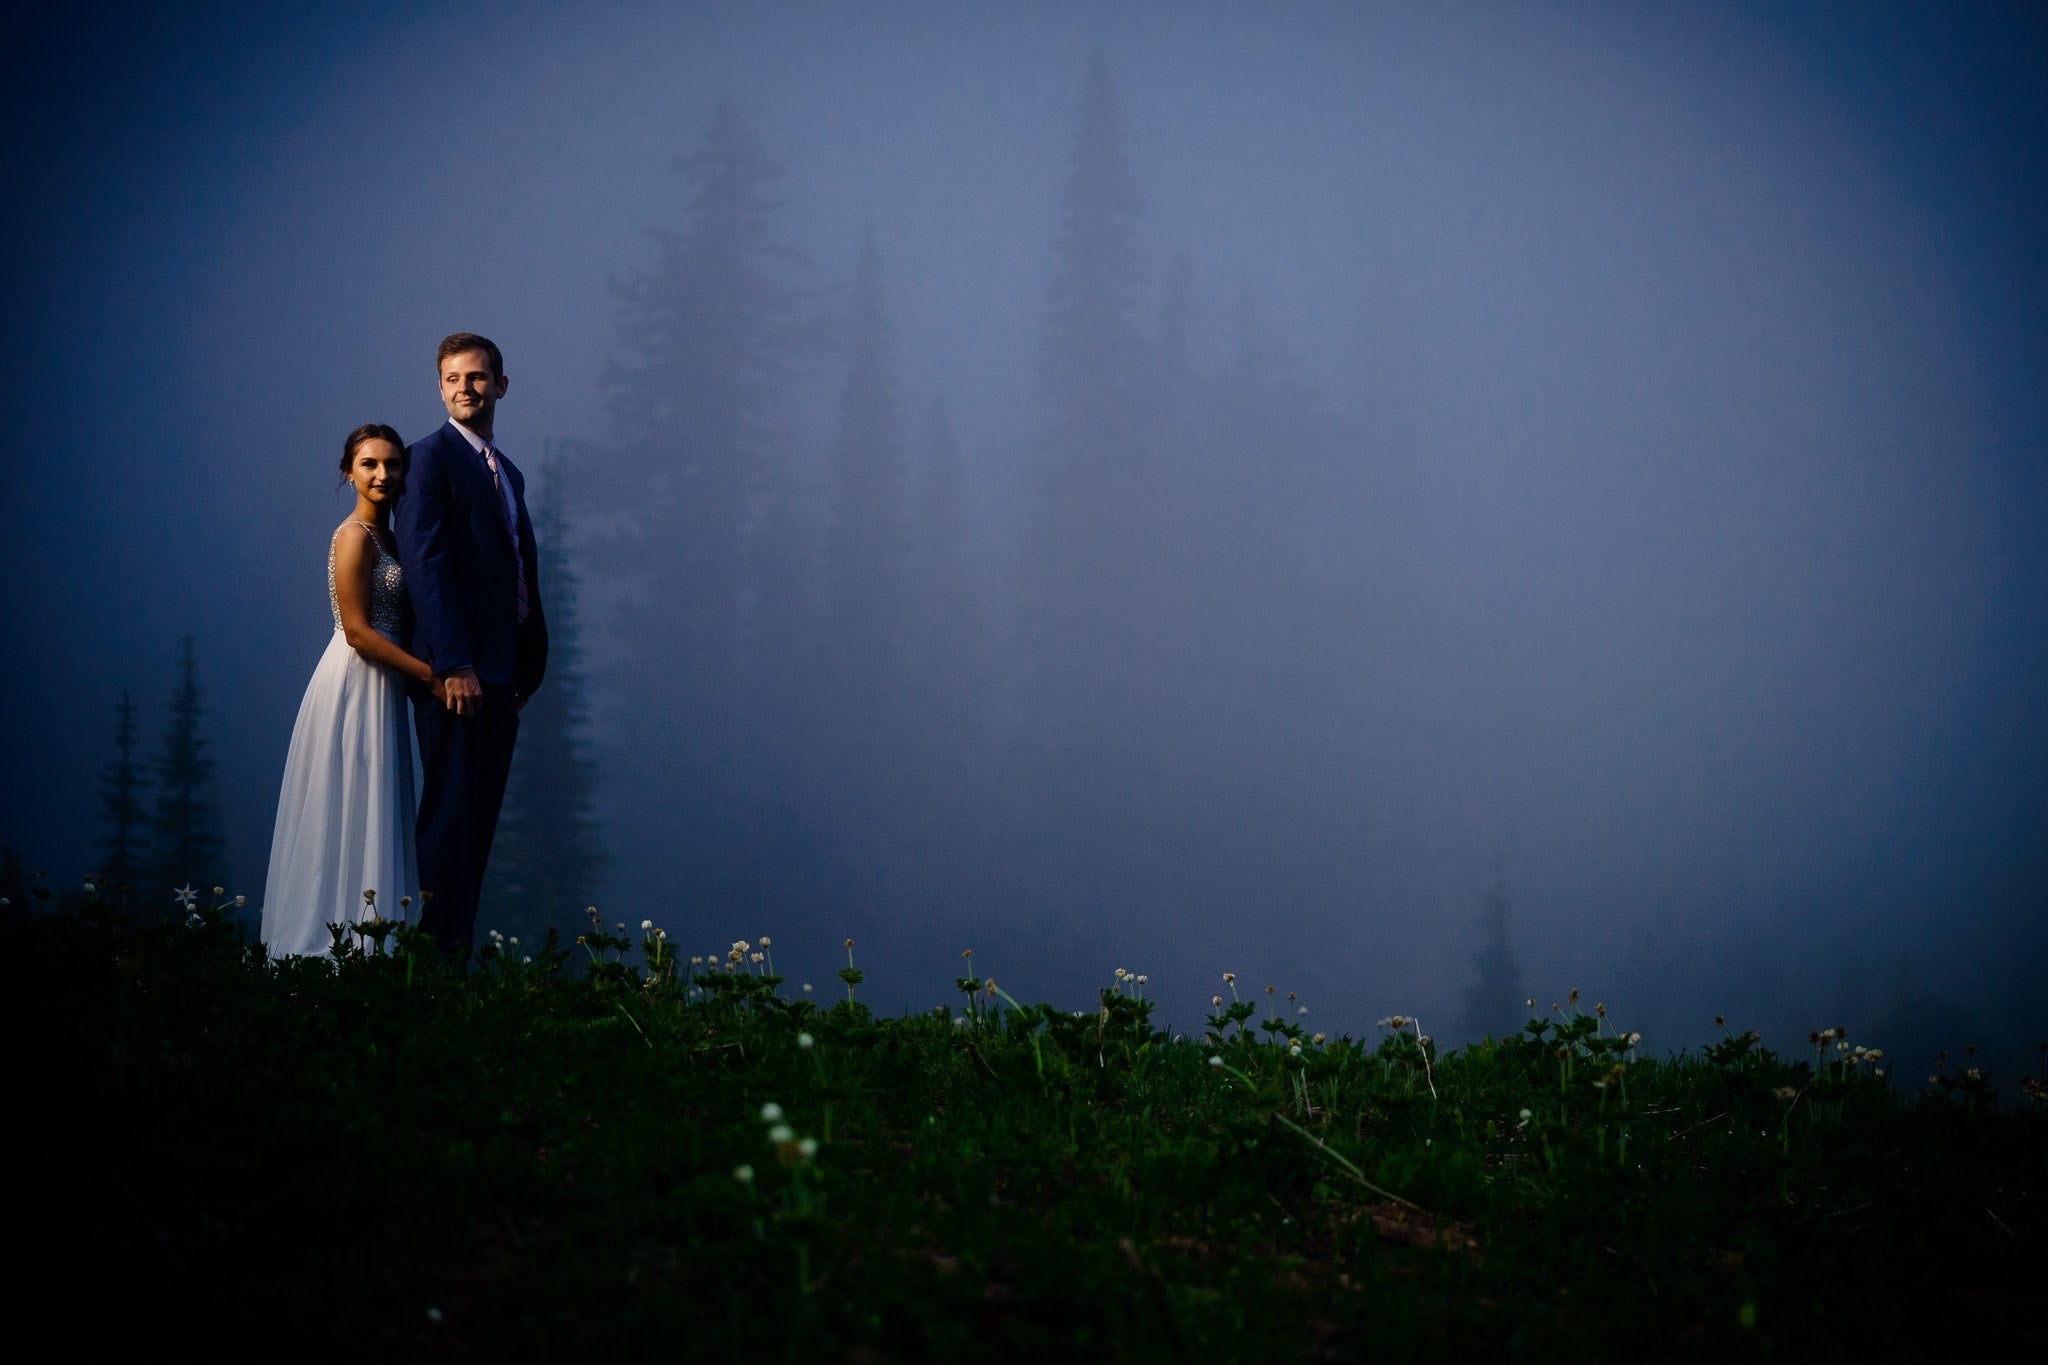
(350, 541)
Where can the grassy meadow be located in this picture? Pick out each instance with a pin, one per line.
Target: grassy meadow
(597, 1149)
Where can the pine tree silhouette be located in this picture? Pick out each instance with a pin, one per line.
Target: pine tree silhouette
(946, 683)
(1096, 601)
(706, 531)
(1494, 1002)
(863, 588)
(185, 843)
(1084, 599)
(548, 856)
(123, 818)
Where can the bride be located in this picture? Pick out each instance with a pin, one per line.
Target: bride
(345, 810)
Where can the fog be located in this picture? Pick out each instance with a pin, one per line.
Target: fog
(1189, 488)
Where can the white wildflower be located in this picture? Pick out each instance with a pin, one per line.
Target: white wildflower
(771, 1112)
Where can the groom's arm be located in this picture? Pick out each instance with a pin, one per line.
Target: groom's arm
(421, 527)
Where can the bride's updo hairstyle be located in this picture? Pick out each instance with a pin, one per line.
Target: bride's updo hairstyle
(368, 431)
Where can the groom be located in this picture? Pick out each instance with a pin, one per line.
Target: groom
(471, 571)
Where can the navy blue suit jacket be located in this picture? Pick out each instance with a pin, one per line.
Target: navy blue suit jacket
(460, 571)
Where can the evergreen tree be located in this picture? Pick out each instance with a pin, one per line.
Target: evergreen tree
(863, 589)
(548, 856)
(1095, 359)
(123, 819)
(946, 633)
(1083, 597)
(706, 336)
(185, 843)
(1098, 599)
(1494, 1002)
(946, 689)
(710, 533)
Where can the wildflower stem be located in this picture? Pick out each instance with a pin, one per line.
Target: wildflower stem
(1349, 1166)
(635, 1023)
(1423, 1047)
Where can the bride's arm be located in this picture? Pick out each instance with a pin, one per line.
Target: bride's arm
(354, 562)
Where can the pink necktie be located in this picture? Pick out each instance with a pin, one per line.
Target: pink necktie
(511, 529)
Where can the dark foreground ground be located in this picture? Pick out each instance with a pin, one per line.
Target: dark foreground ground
(529, 1161)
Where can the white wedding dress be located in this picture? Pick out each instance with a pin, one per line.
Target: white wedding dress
(345, 811)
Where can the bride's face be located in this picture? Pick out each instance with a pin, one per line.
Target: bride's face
(377, 471)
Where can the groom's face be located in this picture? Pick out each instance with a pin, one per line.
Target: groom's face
(470, 390)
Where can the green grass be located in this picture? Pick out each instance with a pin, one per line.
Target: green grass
(537, 1162)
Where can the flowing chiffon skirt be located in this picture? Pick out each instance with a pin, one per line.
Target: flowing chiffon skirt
(345, 810)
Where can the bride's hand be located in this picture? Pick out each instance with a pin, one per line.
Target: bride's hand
(440, 691)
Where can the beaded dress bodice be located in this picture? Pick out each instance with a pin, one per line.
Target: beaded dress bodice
(387, 586)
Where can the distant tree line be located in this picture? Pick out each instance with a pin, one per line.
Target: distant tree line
(824, 706)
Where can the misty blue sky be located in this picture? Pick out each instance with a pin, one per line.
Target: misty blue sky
(1693, 355)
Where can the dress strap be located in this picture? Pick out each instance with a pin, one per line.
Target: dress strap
(369, 526)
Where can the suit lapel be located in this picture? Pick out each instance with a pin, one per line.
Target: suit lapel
(478, 479)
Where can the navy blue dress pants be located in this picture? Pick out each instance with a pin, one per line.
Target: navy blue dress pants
(465, 762)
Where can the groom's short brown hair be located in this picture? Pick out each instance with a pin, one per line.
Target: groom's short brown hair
(455, 343)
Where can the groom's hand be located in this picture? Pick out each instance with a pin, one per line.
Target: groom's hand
(462, 693)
